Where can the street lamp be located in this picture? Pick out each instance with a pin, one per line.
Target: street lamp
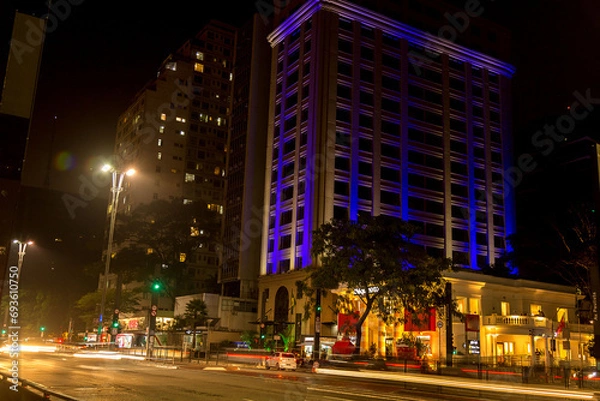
(117, 186)
(22, 249)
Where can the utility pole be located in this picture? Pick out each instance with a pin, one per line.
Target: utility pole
(449, 332)
(317, 343)
(155, 289)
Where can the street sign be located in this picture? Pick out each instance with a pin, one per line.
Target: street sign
(153, 313)
(440, 324)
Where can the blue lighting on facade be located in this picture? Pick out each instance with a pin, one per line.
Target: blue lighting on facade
(474, 230)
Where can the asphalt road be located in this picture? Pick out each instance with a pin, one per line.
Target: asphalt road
(94, 379)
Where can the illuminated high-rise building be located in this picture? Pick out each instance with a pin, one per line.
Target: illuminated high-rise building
(174, 134)
(371, 115)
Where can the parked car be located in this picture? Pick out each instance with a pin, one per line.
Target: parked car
(281, 361)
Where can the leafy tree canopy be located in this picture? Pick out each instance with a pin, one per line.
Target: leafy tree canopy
(87, 305)
(155, 237)
(376, 259)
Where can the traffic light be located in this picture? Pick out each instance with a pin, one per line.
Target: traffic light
(3, 331)
(156, 285)
(454, 352)
(42, 328)
(115, 324)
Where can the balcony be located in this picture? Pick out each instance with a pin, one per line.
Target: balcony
(519, 322)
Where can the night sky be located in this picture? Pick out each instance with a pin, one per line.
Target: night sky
(94, 62)
(101, 54)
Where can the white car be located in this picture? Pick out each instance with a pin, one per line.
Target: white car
(281, 360)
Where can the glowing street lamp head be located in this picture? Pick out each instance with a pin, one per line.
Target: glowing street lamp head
(107, 167)
(130, 172)
(16, 241)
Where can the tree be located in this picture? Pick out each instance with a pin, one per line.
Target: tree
(376, 259)
(157, 238)
(579, 238)
(87, 305)
(196, 312)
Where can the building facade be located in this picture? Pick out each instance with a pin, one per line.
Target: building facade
(370, 115)
(246, 155)
(175, 133)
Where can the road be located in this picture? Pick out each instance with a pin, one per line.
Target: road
(93, 379)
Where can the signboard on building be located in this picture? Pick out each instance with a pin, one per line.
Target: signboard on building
(474, 347)
(472, 322)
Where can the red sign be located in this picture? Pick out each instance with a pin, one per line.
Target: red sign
(422, 322)
(347, 323)
(472, 322)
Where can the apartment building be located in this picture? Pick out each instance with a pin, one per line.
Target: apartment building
(175, 132)
(243, 214)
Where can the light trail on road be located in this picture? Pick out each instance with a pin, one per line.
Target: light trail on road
(463, 384)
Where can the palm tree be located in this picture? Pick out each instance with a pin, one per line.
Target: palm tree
(195, 312)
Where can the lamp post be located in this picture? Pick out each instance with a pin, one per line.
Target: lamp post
(117, 186)
(21, 253)
(22, 248)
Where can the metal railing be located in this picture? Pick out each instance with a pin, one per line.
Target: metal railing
(28, 390)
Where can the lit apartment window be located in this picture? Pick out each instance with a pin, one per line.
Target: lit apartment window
(217, 170)
(159, 155)
(474, 305)
(200, 56)
(535, 310)
(159, 143)
(180, 119)
(231, 76)
(194, 232)
(505, 308)
(198, 67)
(163, 117)
(190, 177)
(182, 257)
(182, 133)
(161, 129)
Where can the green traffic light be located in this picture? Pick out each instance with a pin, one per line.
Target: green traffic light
(115, 325)
(156, 285)
(42, 328)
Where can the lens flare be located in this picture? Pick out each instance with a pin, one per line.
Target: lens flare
(64, 161)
